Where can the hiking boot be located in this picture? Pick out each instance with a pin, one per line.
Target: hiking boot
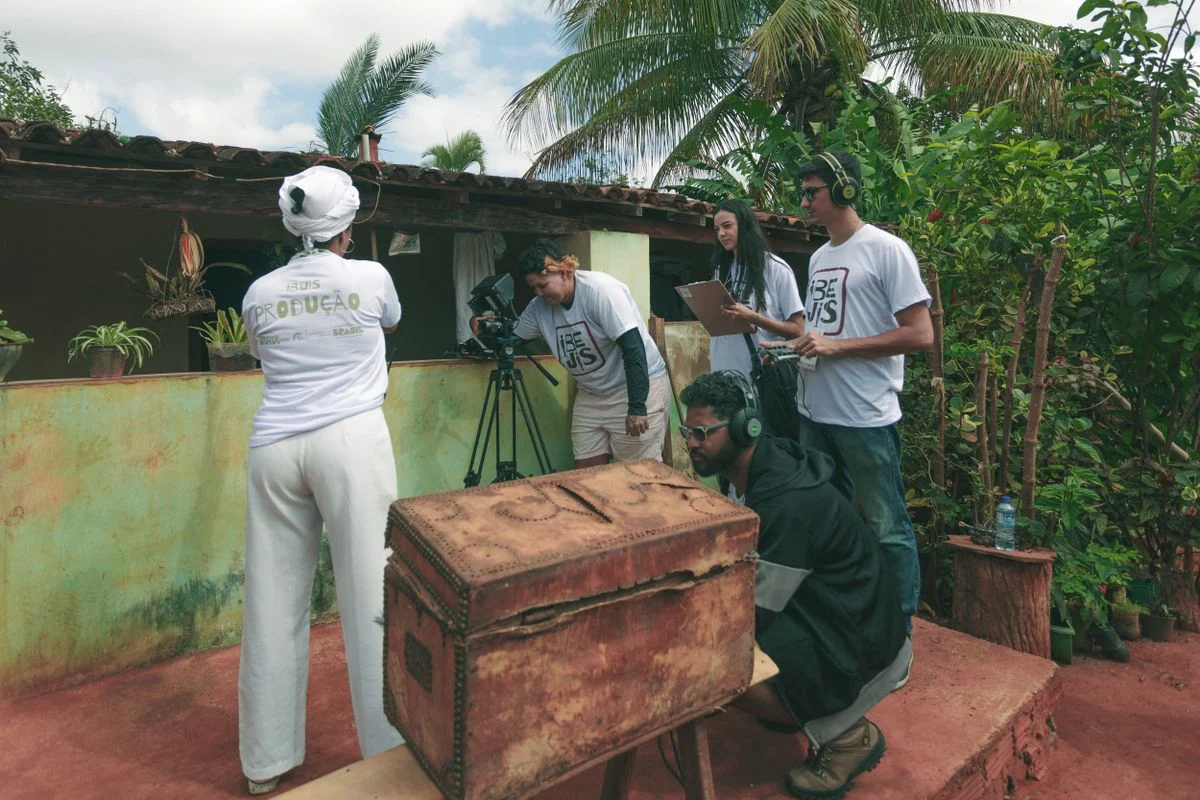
(1110, 643)
(830, 771)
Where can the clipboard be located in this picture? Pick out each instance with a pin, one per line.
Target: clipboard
(706, 299)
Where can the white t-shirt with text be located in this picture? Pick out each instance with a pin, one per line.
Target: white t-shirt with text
(854, 291)
(584, 336)
(783, 301)
(317, 326)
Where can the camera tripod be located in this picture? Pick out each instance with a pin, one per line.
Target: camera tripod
(507, 378)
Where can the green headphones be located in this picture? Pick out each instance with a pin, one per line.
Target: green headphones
(844, 190)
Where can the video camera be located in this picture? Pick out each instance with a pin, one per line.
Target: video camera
(494, 295)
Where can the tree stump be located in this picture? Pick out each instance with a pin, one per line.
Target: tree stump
(1003, 597)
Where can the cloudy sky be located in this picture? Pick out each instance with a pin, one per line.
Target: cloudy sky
(251, 72)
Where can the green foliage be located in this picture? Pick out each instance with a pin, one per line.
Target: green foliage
(22, 95)
(229, 328)
(133, 343)
(457, 154)
(365, 94)
(667, 82)
(9, 335)
(980, 195)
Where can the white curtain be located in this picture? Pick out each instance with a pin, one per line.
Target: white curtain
(475, 257)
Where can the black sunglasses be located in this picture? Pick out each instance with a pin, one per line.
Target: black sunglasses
(700, 432)
(809, 193)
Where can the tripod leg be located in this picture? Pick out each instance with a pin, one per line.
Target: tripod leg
(490, 412)
(540, 451)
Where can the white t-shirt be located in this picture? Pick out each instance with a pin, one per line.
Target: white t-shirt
(783, 300)
(854, 291)
(584, 336)
(317, 326)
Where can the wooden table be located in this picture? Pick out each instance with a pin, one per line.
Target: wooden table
(396, 775)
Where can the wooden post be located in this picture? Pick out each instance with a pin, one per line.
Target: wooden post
(697, 770)
(1003, 597)
(983, 506)
(1037, 387)
(1013, 361)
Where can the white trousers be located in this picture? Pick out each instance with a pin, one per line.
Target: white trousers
(342, 476)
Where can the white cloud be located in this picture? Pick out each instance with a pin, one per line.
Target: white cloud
(226, 71)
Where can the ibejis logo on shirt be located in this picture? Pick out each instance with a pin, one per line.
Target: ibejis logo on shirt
(826, 307)
(577, 350)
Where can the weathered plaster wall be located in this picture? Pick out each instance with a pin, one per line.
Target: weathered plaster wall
(122, 507)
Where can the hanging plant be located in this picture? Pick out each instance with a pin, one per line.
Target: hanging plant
(181, 292)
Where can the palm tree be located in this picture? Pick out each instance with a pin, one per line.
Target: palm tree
(661, 82)
(457, 154)
(364, 94)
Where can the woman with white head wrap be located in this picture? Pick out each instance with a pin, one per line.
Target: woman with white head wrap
(320, 456)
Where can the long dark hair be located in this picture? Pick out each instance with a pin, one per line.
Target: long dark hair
(751, 252)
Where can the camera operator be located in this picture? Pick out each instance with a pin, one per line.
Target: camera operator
(596, 332)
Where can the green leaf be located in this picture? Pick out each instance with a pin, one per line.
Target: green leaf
(1174, 277)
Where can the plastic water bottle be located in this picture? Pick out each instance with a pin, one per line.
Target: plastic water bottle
(1006, 525)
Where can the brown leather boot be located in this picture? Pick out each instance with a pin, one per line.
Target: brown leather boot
(830, 771)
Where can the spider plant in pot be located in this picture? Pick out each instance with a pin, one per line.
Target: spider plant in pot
(11, 344)
(109, 348)
(228, 346)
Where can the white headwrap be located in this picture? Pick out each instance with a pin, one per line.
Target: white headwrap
(326, 209)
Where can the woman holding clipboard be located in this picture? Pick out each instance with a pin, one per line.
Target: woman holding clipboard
(766, 296)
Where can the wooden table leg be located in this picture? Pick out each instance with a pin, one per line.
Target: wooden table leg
(618, 776)
(697, 769)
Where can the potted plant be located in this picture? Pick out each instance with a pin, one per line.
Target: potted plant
(180, 292)
(1159, 623)
(11, 344)
(228, 347)
(1125, 619)
(109, 347)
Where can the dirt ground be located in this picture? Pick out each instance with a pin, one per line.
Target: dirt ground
(1128, 730)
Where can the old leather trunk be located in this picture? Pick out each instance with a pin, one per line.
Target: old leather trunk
(537, 627)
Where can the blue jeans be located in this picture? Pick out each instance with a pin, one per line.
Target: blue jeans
(867, 470)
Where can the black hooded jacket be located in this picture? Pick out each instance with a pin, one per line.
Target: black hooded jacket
(828, 613)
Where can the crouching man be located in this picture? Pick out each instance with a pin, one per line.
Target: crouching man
(827, 612)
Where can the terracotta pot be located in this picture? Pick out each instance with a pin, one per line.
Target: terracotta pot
(106, 362)
(230, 357)
(9, 354)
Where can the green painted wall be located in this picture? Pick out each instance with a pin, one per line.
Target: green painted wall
(122, 506)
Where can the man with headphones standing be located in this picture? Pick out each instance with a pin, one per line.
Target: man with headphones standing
(865, 308)
(825, 605)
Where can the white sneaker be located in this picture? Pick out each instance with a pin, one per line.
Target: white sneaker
(262, 787)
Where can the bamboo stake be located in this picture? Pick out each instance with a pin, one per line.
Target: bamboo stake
(1038, 386)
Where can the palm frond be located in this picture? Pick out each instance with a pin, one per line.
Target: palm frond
(660, 84)
(585, 24)
(395, 81)
(458, 153)
(364, 95)
(339, 102)
(803, 33)
(987, 59)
